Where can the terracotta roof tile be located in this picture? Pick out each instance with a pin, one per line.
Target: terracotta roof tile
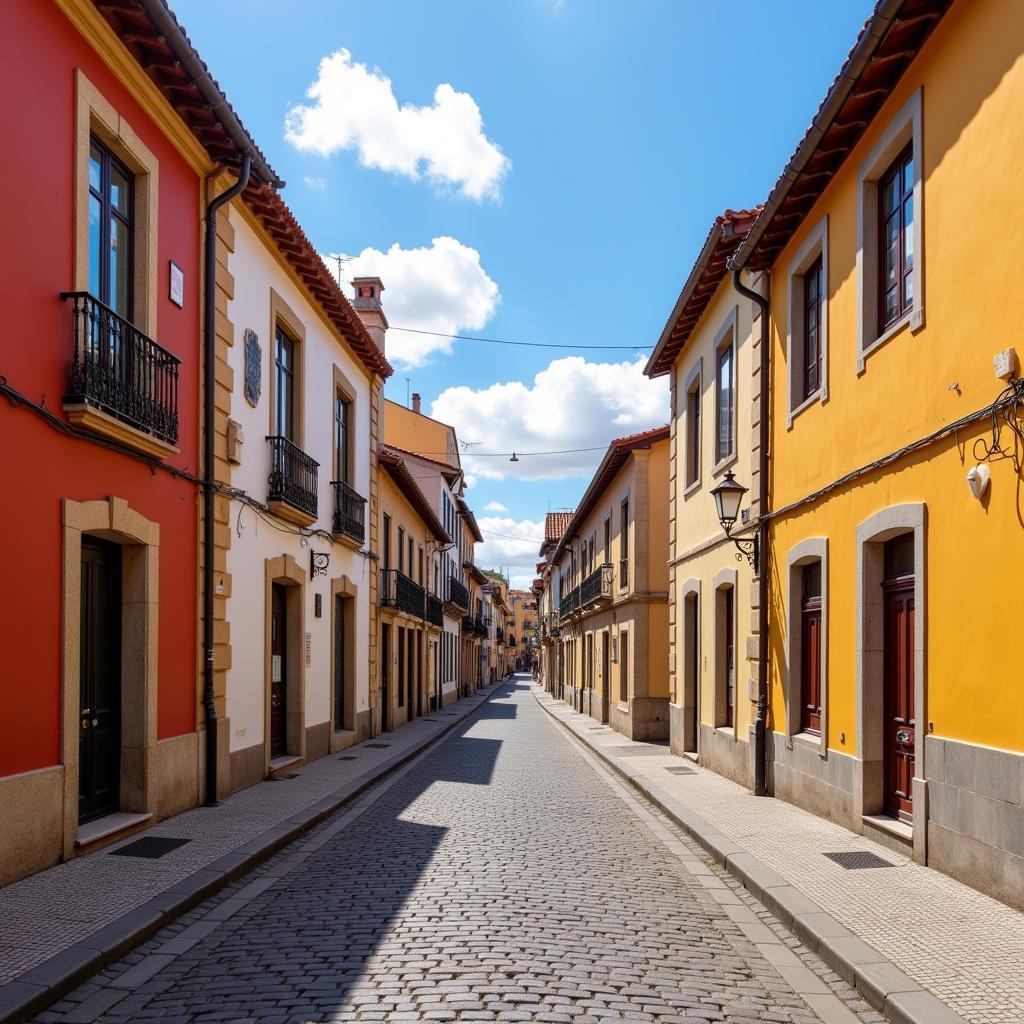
(555, 524)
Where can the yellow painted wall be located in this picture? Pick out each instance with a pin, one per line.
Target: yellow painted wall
(415, 432)
(972, 76)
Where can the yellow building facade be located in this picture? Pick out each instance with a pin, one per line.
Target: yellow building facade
(609, 582)
(897, 507)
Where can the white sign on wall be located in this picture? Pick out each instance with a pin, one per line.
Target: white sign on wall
(177, 285)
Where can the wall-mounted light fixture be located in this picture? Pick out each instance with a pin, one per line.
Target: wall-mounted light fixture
(728, 497)
(977, 480)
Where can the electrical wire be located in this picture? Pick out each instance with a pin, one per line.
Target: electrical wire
(524, 344)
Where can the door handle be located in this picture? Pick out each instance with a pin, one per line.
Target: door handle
(902, 735)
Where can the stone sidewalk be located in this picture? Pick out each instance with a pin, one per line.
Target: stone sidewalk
(60, 925)
(909, 937)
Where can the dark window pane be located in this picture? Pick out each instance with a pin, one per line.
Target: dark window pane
(899, 557)
(95, 167)
(95, 244)
(120, 267)
(908, 235)
(120, 191)
(812, 580)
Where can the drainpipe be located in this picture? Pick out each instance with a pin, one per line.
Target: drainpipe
(209, 385)
(761, 720)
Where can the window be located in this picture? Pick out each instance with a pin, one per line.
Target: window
(401, 550)
(692, 474)
(814, 288)
(624, 535)
(810, 649)
(111, 233)
(623, 667)
(608, 539)
(387, 541)
(725, 400)
(896, 240)
(342, 419)
(284, 384)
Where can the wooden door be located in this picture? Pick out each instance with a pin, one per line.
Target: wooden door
(278, 669)
(340, 711)
(606, 681)
(385, 675)
(899, 697)
(730, 659)
(99, 728)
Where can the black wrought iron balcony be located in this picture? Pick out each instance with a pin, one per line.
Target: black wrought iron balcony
(458, 595)
(349, 511)
(292, 475)
(570, 603)
(467, 623)
(435, 610)
(481, 626)
(401, 593)
(598, 585)
(119, 370)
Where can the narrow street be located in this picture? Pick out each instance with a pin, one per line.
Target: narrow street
(459, 898)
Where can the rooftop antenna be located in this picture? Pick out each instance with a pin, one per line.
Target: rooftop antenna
(340, 259)
(408, 389)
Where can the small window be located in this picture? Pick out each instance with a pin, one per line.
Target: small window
(624, 535)
(814, 289)
(725, 395)
(401, 550)
(896, 240)
(899, 557)
(284, 385)
(342, 421)
(111, 232)
(693, 433)
(810, 650)
(387, 541)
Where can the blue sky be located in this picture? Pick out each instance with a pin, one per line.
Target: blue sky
(609, 136)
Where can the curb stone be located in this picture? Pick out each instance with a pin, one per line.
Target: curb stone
(35, 989)
(885, 987)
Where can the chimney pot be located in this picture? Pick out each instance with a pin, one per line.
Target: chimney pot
(367, 304)
(415, 401)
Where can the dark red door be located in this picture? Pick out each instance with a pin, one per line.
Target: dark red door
(99, 736)
(899, 697)
(278, 669)
(810, 650)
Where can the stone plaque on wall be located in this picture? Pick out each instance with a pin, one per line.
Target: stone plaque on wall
(253, 368)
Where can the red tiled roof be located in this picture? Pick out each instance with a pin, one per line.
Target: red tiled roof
(396, 468)
(618, 452)
(555, 524)
(889, 41)
(701, 284)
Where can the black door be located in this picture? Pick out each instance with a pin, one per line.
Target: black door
(339, 663)
(99, 735)
(278, 669)
(385, 675)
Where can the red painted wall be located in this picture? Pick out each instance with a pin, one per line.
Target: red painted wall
(38, 466)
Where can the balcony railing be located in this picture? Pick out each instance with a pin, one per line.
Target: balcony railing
(570, 603)
(481, 626)
(116, 368)
(598, 585)
(349, 511)
(458, 595)
(401, 593)
(292, 475)
(435, 610)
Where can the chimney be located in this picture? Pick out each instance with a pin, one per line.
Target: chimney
(367, 304)
(416, 401)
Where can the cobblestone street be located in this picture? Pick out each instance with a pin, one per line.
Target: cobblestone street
(446, 894)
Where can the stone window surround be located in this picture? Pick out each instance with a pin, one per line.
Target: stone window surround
(871, 536)
(813, 549)
(281, 314)
(691, 589)
(96, 115)
(905, 126)
(696, 374)
(729, 325)
(343, 732)
(114, 520)
(814, 245)
(287, 572)
(724, 579)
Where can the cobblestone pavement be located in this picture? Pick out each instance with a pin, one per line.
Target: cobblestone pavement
(961, 945)
(503, 876)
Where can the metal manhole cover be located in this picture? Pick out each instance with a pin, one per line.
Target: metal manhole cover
(854, 859)
(150, 847)
(377, 746)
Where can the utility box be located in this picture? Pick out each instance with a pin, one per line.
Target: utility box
(1005, 364)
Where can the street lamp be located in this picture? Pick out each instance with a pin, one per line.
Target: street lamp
(728, 497)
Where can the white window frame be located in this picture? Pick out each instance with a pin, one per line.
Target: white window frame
(814, 245)
(905, 127)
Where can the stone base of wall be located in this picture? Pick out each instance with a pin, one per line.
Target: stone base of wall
(676, 714)
(822, 785)
(721, 753)
(364, 725)
(178, 775)
(646, 719)
(318, 741)
(976, 816)
(248, 766)
(32, 812)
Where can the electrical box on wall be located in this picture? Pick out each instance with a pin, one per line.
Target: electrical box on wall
(1005, 363)
(234, 442)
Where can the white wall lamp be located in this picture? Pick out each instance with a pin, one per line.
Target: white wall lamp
(977, 480)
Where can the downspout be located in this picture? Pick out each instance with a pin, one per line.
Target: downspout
(209, 486)
(761, 557)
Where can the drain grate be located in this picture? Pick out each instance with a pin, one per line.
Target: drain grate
(347, 757)
(681, 770)
(854, 859)
(377, 746)
(151, 847)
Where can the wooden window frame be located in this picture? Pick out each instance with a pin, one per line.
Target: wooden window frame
(814, 302)
(896, 170)
(108, 163)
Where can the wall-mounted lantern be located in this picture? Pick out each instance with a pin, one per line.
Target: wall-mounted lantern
(728, 497)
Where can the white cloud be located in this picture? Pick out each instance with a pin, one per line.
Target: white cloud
(571, 404)
(354, 107)
(510, 544)
(317, 184)
(495, 506)
(440, 288)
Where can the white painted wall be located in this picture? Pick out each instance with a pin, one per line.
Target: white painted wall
(254, 540)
